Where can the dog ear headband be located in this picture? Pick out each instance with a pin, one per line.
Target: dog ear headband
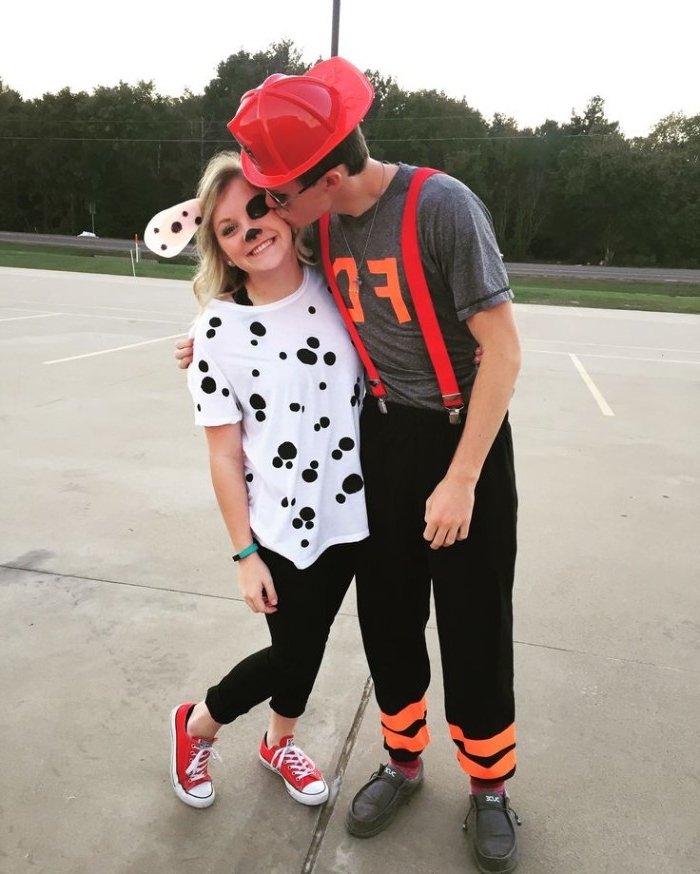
(170, 230)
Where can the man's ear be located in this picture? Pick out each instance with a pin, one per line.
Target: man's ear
(333, 178)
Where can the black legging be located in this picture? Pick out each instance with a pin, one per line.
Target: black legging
(285, 672)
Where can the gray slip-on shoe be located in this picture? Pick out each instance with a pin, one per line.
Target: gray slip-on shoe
(495, 843)
(375, 805)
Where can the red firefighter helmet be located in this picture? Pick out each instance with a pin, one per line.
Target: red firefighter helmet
(290, 123)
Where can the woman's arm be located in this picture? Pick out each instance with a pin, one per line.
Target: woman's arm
(228, 478)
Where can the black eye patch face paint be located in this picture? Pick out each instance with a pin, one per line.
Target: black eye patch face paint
(256, 206)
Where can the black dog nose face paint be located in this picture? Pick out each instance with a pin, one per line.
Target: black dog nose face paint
(251, 234)
(256, 207)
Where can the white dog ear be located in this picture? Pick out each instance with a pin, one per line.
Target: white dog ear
(170, 230)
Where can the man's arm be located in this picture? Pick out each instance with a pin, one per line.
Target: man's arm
(449, 509)
(184, 353)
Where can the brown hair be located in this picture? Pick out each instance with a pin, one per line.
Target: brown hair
(352, 151)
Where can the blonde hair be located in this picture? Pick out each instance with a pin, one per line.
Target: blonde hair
(214, 276)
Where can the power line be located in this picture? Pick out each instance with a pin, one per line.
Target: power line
(191, 140)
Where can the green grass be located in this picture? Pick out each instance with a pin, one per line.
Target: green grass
(665, 297)
(78, 261)
(662, 297)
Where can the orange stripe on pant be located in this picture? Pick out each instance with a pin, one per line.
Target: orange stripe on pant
(491, 758)
(395, 728)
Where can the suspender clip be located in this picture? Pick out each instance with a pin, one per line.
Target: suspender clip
(381, 403)
(455, 415)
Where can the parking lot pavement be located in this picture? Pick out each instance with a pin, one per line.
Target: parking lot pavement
(119, 600)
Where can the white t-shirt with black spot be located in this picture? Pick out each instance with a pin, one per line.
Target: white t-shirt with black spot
(290, 374)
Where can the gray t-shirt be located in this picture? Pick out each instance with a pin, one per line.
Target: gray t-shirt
(463, 268)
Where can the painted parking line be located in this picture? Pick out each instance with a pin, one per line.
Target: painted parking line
(662, 350)
(661, 360)
(114, 349)
(592, 387)
(632, 358)
(21, 318)
(86, 306)
(99, 317)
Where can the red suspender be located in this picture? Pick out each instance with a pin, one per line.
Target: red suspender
(418, 287)
(413, 268)
(376, 386)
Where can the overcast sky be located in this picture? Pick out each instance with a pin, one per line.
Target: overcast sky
(529, 60)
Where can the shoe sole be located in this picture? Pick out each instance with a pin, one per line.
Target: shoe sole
(307, 800)
(189, 800)
(360, 831)
(512, 864)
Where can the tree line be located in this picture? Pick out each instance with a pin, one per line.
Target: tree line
(576, 192)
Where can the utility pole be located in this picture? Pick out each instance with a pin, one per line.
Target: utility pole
(336, 25)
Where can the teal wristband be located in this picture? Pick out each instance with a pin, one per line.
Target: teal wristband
(249, 550)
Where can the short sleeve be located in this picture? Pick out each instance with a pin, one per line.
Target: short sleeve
(215, 402)
(462, 246)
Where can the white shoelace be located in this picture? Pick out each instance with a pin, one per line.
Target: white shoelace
(196, 769)
(299, 764)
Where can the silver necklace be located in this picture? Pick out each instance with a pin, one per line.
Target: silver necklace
(357, 282)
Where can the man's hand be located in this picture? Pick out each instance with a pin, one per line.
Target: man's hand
(184, 352)
(448, 513)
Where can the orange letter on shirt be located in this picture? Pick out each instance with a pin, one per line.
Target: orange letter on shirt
(348, 266)
(392, 289)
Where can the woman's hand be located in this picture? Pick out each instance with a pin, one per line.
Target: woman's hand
(255, 582)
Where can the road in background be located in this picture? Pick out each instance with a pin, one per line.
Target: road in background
(587, 271)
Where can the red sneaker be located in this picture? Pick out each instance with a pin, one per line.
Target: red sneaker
(189, 757)
(302, 778)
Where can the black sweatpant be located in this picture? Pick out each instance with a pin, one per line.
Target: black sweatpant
(405, 454)
(285, 672)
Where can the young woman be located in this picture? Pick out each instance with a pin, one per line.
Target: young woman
(278, 388)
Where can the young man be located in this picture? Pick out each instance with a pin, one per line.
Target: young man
(442, 499)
